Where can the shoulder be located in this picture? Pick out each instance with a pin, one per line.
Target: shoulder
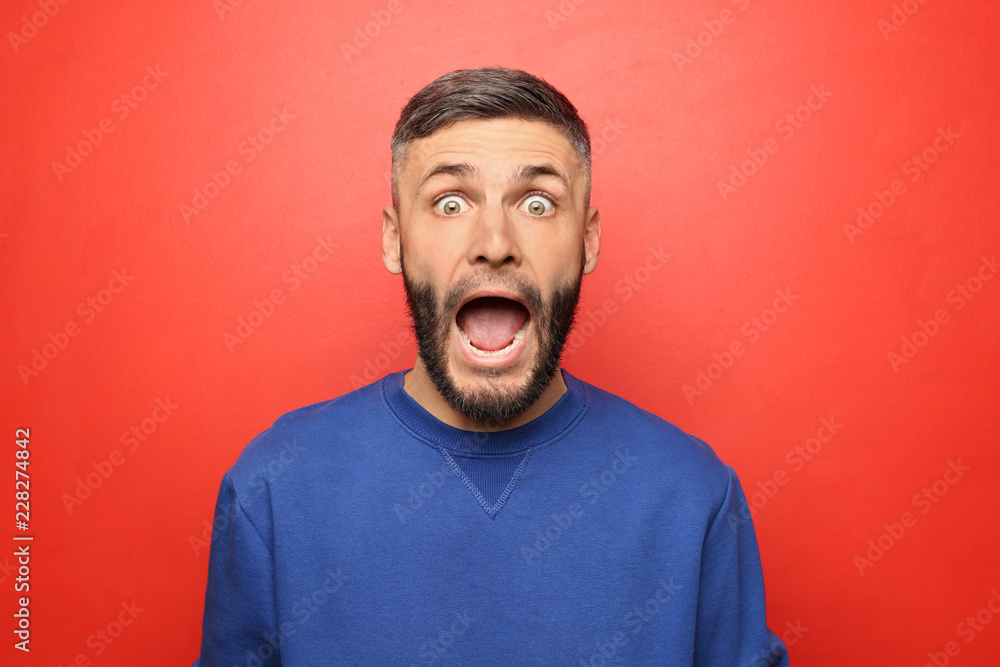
(667, 457)
(305, 438)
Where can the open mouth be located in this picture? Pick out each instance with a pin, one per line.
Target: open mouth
(492, 326)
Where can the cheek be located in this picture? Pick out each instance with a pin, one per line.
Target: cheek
(420, 256)
(562, 267)
(427, 268)
(433, 257)
(559, 240)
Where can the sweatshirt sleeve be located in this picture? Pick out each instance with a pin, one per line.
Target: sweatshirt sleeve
(240, 618)
(731, 622)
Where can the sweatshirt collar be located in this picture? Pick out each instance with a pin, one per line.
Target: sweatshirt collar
(552, 423)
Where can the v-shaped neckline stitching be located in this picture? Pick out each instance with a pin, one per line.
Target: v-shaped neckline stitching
(491, 510)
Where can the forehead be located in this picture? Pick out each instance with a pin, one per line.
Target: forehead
(498, 142)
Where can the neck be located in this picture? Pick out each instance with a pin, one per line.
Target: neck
(418, 384)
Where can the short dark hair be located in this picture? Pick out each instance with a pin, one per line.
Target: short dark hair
(486, 93)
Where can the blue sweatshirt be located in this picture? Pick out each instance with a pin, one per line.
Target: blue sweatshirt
(364, 531)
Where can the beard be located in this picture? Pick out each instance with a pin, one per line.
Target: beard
(432, 320)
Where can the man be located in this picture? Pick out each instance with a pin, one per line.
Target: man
(485, 507)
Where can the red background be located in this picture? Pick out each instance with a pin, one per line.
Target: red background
(670, 130)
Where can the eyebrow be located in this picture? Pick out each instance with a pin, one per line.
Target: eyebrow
(470, 172)
(530, 172)
(459, 170)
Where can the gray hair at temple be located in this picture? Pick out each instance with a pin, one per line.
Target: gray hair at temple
(486, 93)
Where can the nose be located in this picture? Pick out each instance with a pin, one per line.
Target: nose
(495, 241)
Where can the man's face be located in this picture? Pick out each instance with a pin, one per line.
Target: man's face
(493, 238)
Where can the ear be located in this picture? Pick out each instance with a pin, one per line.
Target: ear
(390, 240)
(592, 239)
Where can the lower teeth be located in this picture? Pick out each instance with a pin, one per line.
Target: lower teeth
(496, 353)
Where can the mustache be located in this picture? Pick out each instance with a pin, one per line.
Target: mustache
(506, 281)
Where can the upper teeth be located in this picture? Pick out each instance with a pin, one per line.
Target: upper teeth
(496, 353)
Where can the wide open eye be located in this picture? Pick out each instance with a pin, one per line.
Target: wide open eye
(450, 205)
(538, 205)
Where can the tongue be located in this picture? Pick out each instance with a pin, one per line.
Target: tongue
(490, 322)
